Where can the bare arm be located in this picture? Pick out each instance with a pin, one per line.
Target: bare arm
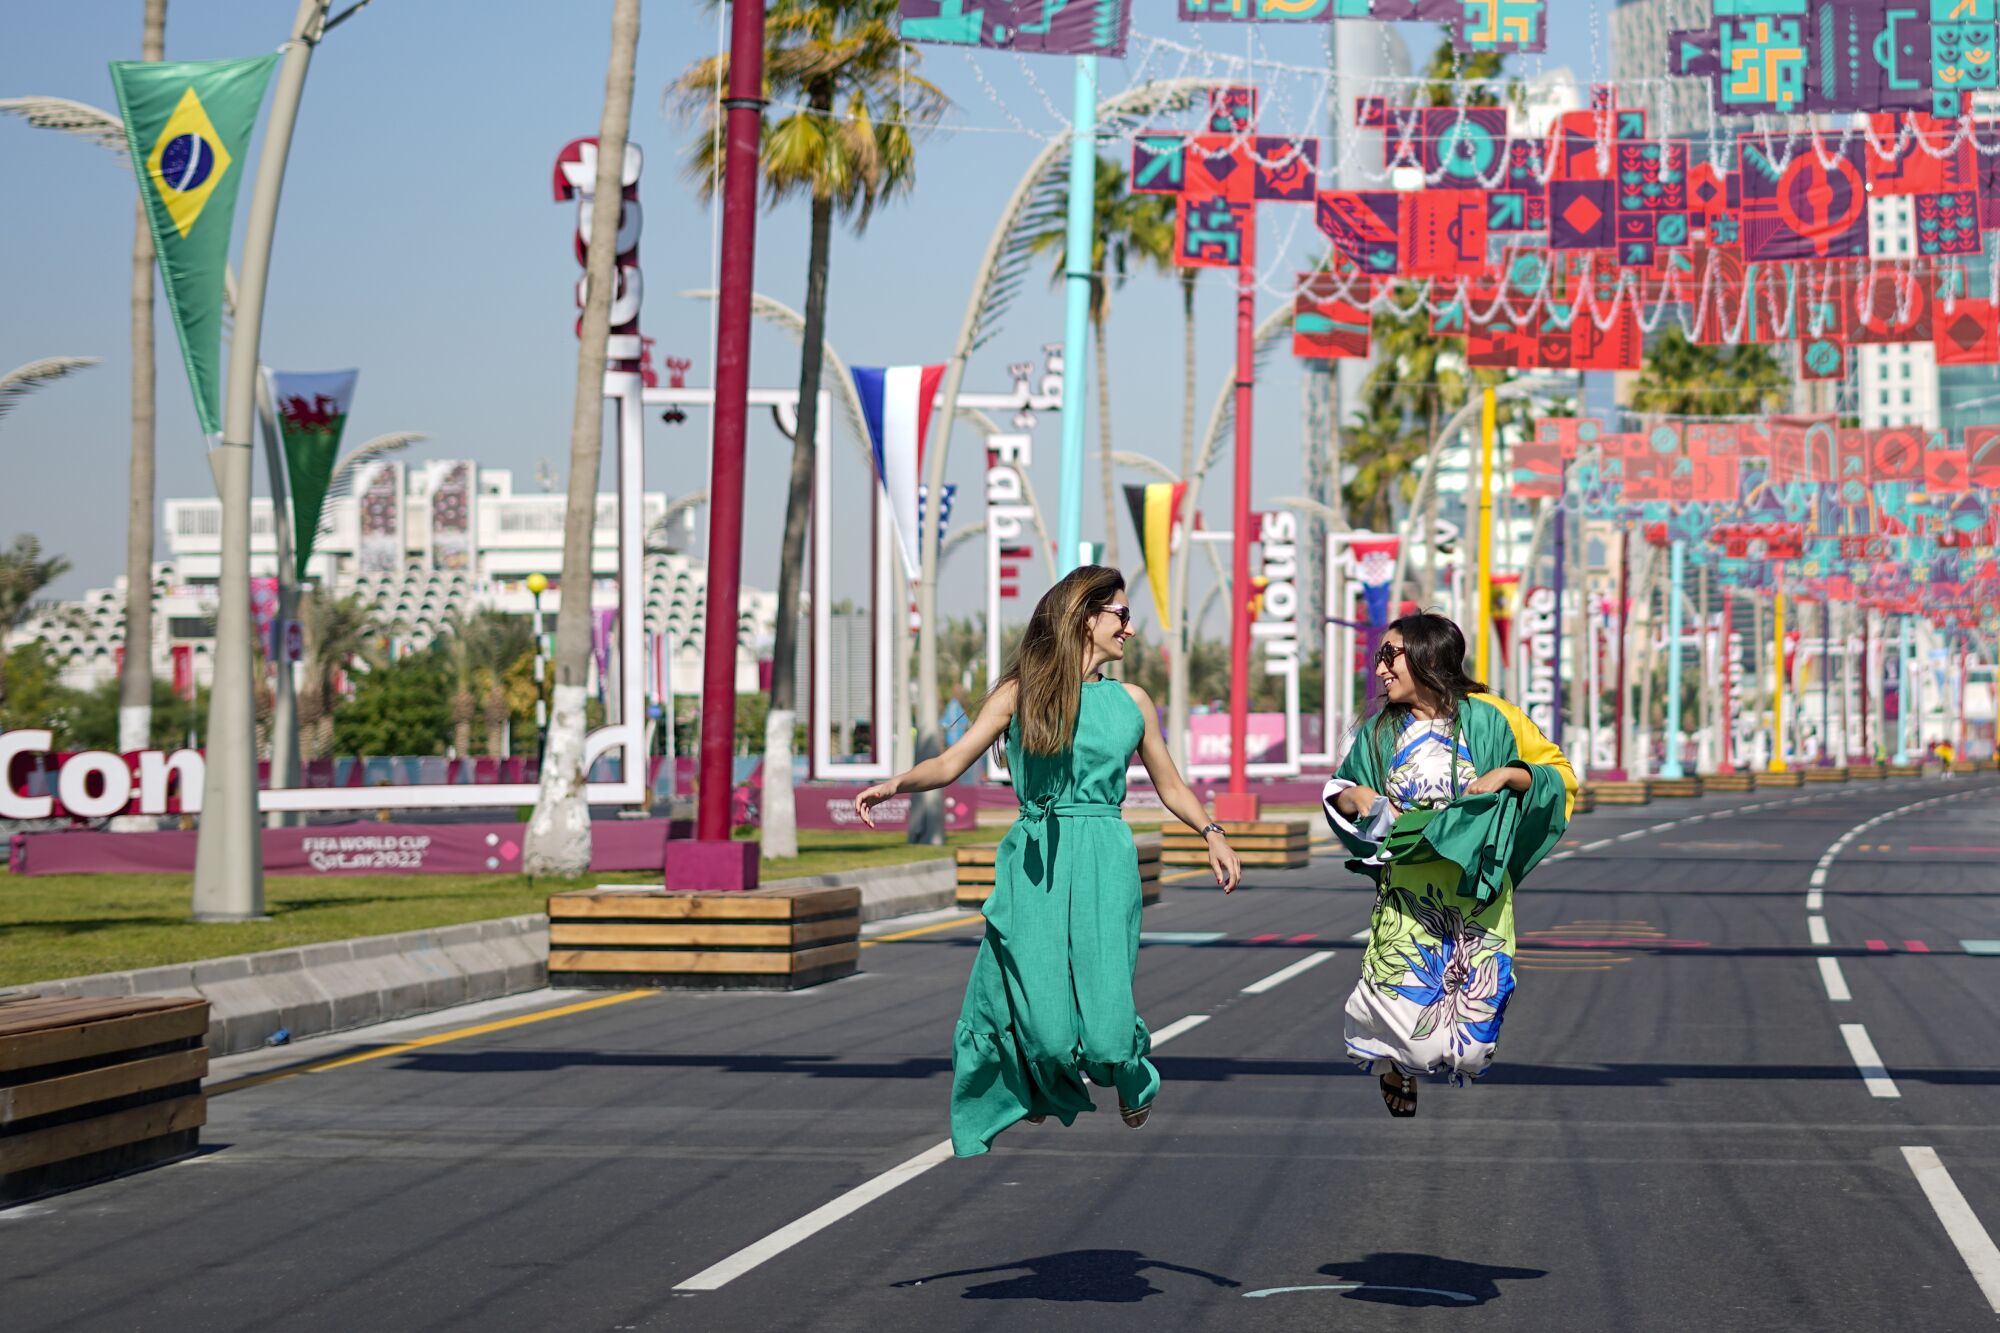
(947, 768)
(1175, 793)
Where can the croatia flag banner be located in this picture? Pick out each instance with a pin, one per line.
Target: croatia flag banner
(896, 403)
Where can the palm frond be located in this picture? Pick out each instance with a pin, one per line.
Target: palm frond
(791, 321)
(1041, 205)
(79, 118)
(18, 383)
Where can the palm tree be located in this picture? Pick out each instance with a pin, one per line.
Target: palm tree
(558, 837)
(1129, 226)
(336, 630)
(23, 574)
(481, 647)
(845, 144)
(1683, 378)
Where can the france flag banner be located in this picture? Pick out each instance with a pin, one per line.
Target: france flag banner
(896, 404)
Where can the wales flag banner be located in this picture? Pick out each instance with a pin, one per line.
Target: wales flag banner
(312, 412)
(188, 124)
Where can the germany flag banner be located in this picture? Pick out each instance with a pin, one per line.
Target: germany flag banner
(1156, 509)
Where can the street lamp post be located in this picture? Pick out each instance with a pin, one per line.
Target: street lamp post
(537, 585)
(228, 862)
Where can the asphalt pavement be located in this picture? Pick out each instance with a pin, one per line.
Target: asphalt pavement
(1748, 1080)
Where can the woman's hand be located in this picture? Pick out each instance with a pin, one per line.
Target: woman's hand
(1357, 801)
(865, 803)
(1500, 779)
(1222, 861)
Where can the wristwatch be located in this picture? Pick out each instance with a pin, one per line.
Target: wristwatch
(1213, 827)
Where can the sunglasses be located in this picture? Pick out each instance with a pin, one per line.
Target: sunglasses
(1124, 614)
(1387, 654)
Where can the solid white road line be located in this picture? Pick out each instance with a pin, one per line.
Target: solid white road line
(1360, 934)
(1975, 1246)
(1816, 930)
(1595, 846)
(824, 1216)
(1178, 1026)
(820, 1218)
(1284, 974)
(1836, 984)
(1873, 1072)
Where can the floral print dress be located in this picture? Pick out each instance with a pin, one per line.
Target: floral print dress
(1440, 965)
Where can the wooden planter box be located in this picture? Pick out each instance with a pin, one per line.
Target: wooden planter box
(1687, 786)
(1277, 843)
(1968, 766)
(1791, 777)
(1618, 793)
(1905, 770)
(1838, 773)
(1586, 800)
(94, 1088)
(1866, 772)
(975, 871)
(758, 939)
(1730, 781)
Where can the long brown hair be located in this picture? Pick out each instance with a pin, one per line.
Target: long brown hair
(1047, 669)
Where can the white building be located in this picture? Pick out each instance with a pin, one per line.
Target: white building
(442, 539)
(1897, 382)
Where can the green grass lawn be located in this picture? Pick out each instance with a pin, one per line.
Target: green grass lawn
(73, 925)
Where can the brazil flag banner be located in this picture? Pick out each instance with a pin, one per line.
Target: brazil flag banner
(312, 412)
(188, 124)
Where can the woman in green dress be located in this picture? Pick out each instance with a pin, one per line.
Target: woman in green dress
(1050, 999)
(1447, 798)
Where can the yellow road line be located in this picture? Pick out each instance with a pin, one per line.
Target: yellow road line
(435, 1039)
(931, 929)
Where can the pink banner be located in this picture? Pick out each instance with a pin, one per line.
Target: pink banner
(1208, 738)
(342, 849)
(828, 806)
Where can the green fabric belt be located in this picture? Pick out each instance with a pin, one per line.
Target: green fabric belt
(1038, 811)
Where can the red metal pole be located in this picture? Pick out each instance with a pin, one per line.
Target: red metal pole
(1618, 707)
(1237, 803)
(713, 861)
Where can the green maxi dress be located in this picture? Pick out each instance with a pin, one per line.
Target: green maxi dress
(1050, 998)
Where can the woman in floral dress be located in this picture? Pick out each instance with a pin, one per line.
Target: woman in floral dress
(1447, 798)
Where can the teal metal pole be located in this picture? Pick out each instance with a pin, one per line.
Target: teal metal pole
(1672, 767)
(1076, 312)
(1903, 703)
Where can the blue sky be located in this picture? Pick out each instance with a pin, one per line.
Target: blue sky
(419, 241)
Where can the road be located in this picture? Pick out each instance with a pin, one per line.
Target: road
(1686, 1128)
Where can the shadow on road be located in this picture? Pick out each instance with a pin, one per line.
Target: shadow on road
(1414, 1279)
(1104, 1277)
(1192, 1069)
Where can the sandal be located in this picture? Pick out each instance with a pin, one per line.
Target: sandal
(1399, 1094)
(1134, 1116)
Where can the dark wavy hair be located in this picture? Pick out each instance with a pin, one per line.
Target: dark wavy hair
(1434, 650)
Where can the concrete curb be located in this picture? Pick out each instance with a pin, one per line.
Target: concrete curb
(887, 891)
(342, 984)
(332, 987)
